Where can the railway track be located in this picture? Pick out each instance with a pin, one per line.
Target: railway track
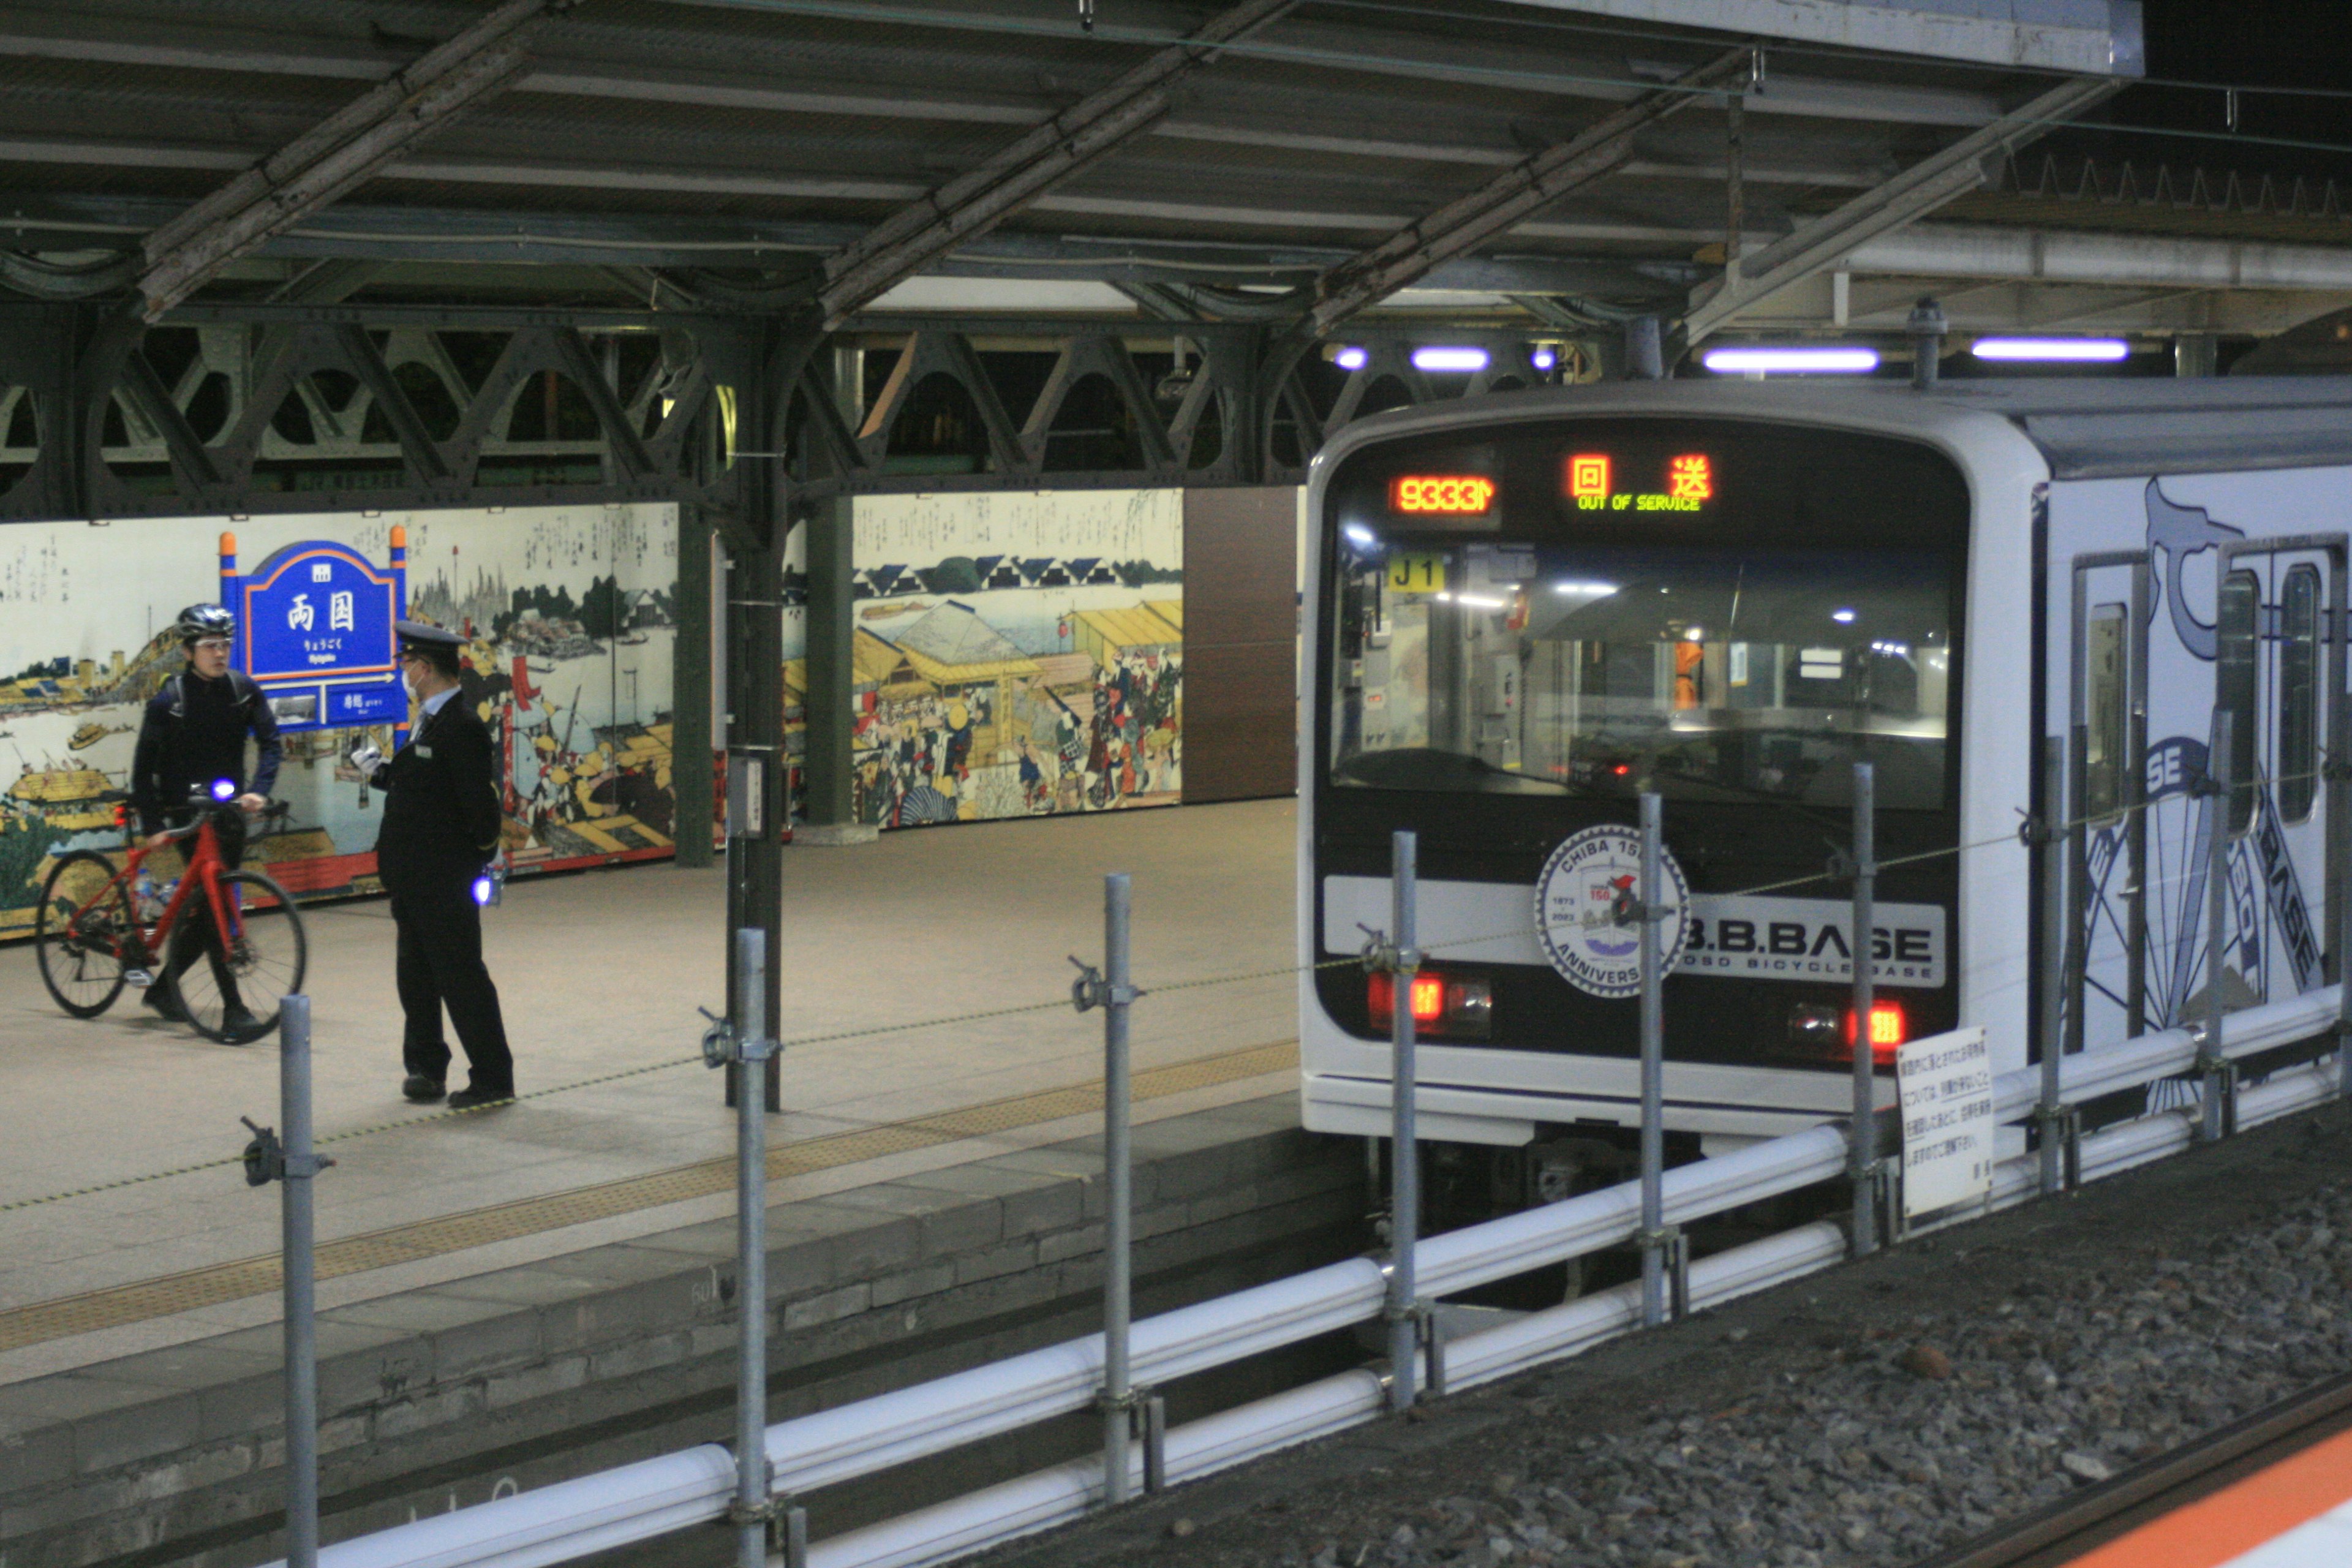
(2078, 1524)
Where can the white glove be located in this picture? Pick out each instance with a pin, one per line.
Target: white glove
(367, 757)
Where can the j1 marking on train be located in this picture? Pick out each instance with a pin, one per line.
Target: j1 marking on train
(1811, 939)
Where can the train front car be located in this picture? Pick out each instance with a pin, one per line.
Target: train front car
(1524, 623)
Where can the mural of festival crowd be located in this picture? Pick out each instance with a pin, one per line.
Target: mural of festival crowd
(571, 628)
(1014, 655)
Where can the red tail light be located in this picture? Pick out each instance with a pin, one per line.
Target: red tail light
(1442, 1003)
(1888, 1029)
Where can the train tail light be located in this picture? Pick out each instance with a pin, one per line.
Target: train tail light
(1888, 1029)
(1442, 1005)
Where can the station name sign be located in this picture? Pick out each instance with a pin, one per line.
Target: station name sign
(315, 632)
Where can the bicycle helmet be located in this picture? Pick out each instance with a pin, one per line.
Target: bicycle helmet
(200, 621)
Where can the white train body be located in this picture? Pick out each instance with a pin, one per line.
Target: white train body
(1501, 679)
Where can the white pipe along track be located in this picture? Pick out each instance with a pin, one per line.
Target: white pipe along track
(637, 1502)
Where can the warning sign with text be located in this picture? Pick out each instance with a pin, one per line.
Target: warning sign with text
(1947, 1120)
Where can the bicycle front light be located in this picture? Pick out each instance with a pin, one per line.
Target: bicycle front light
(224, 790)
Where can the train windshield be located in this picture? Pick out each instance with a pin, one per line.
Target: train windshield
(1733, 654)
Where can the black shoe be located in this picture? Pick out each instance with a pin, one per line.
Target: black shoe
(160, 999)
(471, 1099)
(420, 1090)
(240, 1025)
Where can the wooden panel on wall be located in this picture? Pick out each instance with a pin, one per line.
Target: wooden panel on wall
(1241, 618)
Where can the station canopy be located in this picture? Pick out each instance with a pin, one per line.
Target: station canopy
(1567, 160)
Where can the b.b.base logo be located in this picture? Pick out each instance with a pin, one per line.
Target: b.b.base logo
(1576, 900)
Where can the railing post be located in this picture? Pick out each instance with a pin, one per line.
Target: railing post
(2056, 950)
(300, 1269)
(1404, 1146)
(2217, 1115)
(1118, 1228)
(1655, 1240)
(1862, 1158)
(751, 1513)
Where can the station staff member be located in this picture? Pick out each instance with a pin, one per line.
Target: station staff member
(441, 824)
(192, 734)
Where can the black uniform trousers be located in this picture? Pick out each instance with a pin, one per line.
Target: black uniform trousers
(440, 965)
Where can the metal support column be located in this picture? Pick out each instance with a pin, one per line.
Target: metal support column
(1405, 1137)
(827, 766)
(1862, 1160)
(1655, 1239)
(1111, 988)
(754, 1045)
(2217, 1085)
(693, 773)
(295, 1164)
(2050, 1112)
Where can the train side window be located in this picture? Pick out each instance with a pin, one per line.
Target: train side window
(2233, 690)
(2106, 696)
(2298, 683)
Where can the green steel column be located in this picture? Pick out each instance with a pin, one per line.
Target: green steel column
(692, 776)
(832, 710)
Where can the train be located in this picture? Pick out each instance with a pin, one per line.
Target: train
(2031, 605)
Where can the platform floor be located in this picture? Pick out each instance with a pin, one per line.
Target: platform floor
(601, 973)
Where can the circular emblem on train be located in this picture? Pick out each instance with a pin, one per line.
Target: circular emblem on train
(1576, 900)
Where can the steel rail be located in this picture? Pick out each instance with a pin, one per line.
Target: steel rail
(2066, 1528)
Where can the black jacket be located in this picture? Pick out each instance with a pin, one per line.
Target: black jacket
(193, 732)
(441, 815)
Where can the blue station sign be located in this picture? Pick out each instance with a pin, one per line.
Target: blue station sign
(314, 626)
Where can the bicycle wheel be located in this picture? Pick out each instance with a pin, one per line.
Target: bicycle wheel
(81, 932)
(232, 993)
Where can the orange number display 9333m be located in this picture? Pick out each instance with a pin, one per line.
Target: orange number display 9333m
(1442, 492)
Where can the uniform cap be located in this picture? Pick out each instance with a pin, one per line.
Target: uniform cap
(421, 636)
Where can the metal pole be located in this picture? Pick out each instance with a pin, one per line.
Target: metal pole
(1654, 1074)
(1863, 1138)
(301, 1269)
(2055, 909)
(2210, 1060)
(753, 1049)
(2135, 794)
(1119, 1231)
(1404, 1161)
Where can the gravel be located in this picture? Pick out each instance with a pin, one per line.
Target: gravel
(1873, 1417)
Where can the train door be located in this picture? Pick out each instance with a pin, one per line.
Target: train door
(2278, 677)
(2107, 782)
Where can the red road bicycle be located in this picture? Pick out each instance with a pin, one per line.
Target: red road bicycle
(94, 938)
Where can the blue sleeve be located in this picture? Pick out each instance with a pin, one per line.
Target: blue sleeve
(265, 736)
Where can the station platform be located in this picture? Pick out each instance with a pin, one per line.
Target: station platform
(601, 975)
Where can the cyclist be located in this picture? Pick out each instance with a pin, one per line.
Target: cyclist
(192, 735)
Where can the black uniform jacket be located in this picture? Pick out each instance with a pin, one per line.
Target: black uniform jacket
(441, 816)
(193, 732)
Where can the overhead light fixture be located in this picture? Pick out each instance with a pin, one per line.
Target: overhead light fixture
(1458, 360)
(1352, 358)
(1843, 617)
(1589, 590)
(1361, 535)
(2098, 350)
(1791, 360)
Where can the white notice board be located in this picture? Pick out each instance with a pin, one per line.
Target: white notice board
(1947, 1120)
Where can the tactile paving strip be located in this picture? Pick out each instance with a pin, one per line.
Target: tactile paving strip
(42, 1320)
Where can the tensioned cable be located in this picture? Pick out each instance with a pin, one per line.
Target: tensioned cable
(2056, 833)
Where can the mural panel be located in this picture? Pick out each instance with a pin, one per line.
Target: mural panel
(1016, 655)
(572, 622)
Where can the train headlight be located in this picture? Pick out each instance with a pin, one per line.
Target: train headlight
(1444, 1006)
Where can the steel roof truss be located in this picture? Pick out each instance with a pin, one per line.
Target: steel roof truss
(977, 200)
(1906, 198)
(341, 152)
(1413, 251)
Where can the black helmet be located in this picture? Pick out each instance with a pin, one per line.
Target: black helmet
(200, 621)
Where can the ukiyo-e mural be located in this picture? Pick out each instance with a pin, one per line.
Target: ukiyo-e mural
(572, 625)
(1014, 655)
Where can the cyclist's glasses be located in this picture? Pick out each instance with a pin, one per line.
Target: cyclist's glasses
(214, 644)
